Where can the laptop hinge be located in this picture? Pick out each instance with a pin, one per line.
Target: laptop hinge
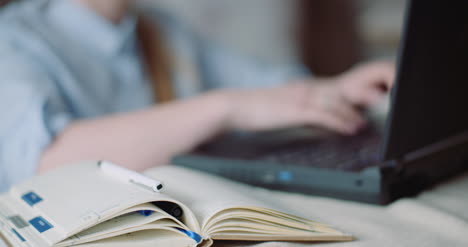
(436, 147)
(452, 141)
(395, 164)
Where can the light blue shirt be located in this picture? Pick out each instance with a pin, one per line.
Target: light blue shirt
(60, 62)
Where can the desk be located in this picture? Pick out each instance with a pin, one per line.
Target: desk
(438, 217)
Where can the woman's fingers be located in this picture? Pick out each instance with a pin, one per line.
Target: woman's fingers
(318, 105)
(341, 117)
(330, 121)
(370, 97)
(365, 84)
(330, 110)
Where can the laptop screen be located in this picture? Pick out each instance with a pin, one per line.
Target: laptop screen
(430, 98)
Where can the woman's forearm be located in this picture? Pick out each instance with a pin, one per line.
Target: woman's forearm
(151, 137)
(143, 139)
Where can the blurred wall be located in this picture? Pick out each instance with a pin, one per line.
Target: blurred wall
(381, 22)
(262, 28)
(266, 28)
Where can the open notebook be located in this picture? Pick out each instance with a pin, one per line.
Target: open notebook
(81, 205)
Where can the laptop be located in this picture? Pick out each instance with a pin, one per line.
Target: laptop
(424, 140)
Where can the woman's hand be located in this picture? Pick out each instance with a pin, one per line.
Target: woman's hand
(365, 84)
(331, 103)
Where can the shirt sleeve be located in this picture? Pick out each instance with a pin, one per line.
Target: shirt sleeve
(225, 68)
(32, 113)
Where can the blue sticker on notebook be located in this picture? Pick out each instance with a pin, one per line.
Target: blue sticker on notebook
(40, 224)
(31, 198)
(18, 235)
(191, 234)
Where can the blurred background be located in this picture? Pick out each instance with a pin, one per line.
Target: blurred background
(328, 36)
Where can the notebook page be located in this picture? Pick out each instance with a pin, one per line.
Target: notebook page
(78, 196)
(145, 239)
(205, 194)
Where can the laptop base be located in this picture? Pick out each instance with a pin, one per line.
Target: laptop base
(375, 185)
(360, 186)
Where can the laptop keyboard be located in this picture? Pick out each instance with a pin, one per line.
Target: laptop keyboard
(341, 153)
(352, 153)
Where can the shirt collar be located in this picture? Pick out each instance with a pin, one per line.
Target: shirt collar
(94, 31)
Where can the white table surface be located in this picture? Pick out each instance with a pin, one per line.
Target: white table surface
(437, 217)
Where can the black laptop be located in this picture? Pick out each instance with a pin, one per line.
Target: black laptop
(424, 140)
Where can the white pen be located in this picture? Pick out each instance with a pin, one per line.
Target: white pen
(130, 176)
